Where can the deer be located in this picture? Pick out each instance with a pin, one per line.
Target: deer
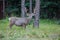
(22, 21)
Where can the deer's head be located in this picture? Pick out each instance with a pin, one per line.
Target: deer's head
(30, 16)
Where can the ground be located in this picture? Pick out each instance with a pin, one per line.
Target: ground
(48, 30)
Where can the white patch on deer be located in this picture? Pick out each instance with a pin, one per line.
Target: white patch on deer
(9, 19)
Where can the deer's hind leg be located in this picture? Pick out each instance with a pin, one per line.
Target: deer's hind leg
(24, 26)
(11, 24)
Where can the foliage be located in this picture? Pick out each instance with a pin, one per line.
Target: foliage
(53, 7)
(47, 30)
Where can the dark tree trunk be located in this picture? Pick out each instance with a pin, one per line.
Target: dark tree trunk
(58, 14)
(30, 6)
(37, 8)
(22, 8)
(3, 8)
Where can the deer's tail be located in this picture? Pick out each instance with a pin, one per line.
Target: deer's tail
(9, 19)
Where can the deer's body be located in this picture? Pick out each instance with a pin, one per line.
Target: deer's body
(20, 21)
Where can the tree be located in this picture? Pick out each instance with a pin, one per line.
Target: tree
(30, 6)
(3, 8)
(36, 11)
(22, 8)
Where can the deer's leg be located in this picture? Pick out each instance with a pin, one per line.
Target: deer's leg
(24, 26)
(10, 25)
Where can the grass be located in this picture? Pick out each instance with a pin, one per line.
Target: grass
(48, 30)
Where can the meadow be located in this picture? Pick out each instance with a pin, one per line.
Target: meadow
(48, 30)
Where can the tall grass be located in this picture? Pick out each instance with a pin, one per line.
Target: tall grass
(47, 30)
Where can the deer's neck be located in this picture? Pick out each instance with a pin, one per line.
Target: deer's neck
(29, 18)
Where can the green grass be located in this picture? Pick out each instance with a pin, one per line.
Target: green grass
(48, 30)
